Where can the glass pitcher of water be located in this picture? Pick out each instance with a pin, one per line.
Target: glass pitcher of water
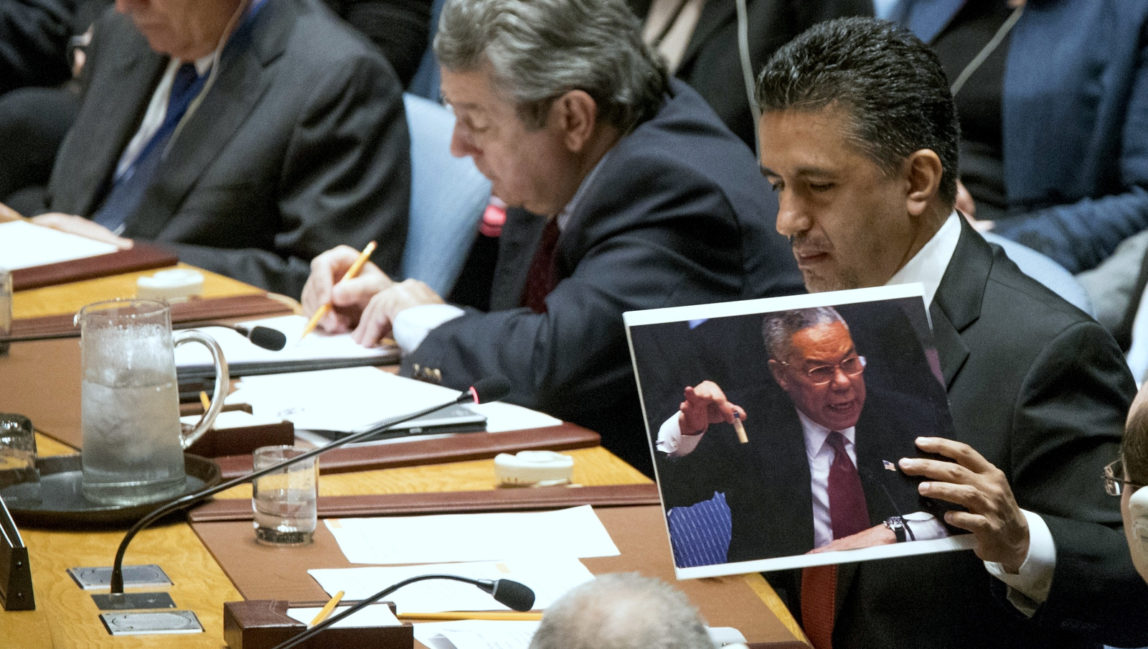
(132, 439)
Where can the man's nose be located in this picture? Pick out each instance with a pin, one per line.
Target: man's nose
(460, 144)
(792, 218)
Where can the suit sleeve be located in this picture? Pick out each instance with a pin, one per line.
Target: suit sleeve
(33, 39)
(1082, 234)
(345, 179)
(1067, 426)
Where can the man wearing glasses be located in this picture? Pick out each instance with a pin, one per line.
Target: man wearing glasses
(818, 452)
(1126, 477)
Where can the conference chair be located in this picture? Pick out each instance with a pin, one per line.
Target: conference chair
(700, 533)
(448, 196)
(1044, 270)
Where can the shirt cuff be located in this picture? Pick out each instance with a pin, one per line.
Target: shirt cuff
(1028, 589)
(412, 325)
(924, 526)
(672, 442)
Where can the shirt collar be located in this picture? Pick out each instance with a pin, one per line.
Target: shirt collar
(564, 216)
(929, 264)
(816, 434)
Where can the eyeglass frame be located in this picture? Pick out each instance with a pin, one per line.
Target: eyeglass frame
(1114, 486)
(839, 365)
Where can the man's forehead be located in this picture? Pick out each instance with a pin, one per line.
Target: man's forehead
(823, 337)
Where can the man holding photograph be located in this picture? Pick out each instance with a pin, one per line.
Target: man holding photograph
(859, 141)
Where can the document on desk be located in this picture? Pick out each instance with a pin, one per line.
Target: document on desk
(476, 634)
(570, 532)
(549, 578)
(351, 399)
(26, 245)
(318, 350)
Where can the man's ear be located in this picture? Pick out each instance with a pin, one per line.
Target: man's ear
(778, 371)
(923, 171)
(577, 115)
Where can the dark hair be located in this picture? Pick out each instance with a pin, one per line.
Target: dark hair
(539, 49)
(891, 83)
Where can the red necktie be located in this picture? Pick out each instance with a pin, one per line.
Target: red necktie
(848, 514)
(540, 280)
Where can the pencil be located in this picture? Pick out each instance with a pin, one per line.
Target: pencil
(350, 274)
(472, 615)
(204, 400)
(327, 608)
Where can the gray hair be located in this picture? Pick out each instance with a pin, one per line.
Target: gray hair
(1134, 445)
(622, 611)
(891, 84)
(539, 49)
(778, 328)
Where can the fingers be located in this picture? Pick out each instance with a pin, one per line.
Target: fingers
(83, 227)
(378, 316)
(349, 297)
(706, 404)
(324, 269)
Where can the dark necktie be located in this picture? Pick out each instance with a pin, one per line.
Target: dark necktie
(540, 280)
(127, 191)
(848, 514)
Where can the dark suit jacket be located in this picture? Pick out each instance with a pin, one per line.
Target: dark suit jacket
(295, 148)
(712, 65)
(1072, 116)
(33, 39)
(677, 214)
(767, 480)
(1040, 390)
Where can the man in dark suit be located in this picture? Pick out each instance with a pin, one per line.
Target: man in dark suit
(639, 189)
(859, 140)
(789, 466)
(707, 54)
(277, 149)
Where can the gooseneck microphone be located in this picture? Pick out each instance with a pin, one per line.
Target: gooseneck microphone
(510, 593)
(483, 391)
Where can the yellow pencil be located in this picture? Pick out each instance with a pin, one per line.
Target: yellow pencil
(326, 610)
(472, 615)
(350, 274)
(204, 401)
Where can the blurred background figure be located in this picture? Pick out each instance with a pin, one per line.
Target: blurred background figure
(700, 43)
(622, 611)
(1054, 153)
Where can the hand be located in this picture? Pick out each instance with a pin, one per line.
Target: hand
(349, 297)
(379, 316)
(876, 535)
(993, 515)
(705, 404)
(83, 227)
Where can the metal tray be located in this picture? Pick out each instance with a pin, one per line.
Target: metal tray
(62, 504)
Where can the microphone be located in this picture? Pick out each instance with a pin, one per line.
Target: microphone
(511, 593)
(483, 391)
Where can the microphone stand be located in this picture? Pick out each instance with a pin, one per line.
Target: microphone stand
(488, 586)
(117, 577)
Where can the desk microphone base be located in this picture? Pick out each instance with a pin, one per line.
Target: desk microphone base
(132, 601)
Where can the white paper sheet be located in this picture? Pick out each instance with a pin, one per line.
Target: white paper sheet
(315, 346)
(571, 532)
(476, 634)
(24, 245)
(352, 398)
(548, 578)
(374, 615)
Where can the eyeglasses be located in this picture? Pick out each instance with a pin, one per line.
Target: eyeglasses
(822, 374)
(1114, 478)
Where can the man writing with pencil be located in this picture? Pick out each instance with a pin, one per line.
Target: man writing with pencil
(633, 196)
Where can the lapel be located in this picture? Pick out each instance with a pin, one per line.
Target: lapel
(957, 303)
(130, 81)
(715, 13)
(243, 77)
(928, 18)
(516, 246)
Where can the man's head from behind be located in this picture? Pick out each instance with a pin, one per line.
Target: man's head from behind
(812, 358)
(1134, 498)
(622, 611)
(183, 29)
(534, 82)
(859, 137)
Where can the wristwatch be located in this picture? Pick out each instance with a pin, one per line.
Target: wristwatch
(897, 526)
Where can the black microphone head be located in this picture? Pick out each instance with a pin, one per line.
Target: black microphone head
(268, 338)
(491, 388)
(513, 594)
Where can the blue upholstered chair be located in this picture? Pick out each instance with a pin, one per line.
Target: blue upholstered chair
(1044, 270)
(700, 533)
(448, 196)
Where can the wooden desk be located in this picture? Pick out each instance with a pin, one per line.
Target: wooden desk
(65, 616)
